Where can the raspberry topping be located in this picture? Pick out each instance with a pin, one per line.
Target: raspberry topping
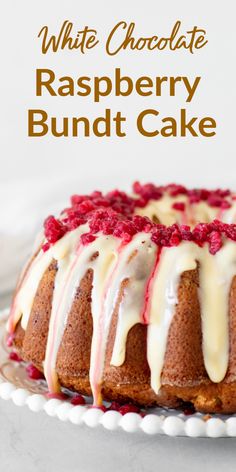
(215, 242)
(34, 373)
(100, 407)
(53, 229)
(87, 238)
(113, 214)
(78, 400)
(129, 408)
(15, 357)
(180, 206)
(215, 198)
(115, 406)
(147, 192)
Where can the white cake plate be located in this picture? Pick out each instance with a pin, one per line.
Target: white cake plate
(15, 385)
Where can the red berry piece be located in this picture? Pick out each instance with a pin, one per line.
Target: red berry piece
(34, 373)
(15, 357)
(87, 238)
(180, 206)
(215, 242)
(53, 229)
(101, 407)
(78, 400)
(128, 408)
(45, 247)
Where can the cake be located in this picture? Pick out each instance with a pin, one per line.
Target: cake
(132, 298)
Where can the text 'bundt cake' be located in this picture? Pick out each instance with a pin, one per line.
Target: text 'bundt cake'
(133, 298)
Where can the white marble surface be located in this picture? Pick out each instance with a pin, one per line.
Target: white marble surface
(32, 442)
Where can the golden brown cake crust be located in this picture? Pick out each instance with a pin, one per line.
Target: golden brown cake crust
(184, 378)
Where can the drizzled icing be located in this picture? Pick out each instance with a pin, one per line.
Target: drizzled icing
(69, 274)
(215, 275)
(23, 300)
(173, 262)
(150, 295)
(113, 264)
(135, 265)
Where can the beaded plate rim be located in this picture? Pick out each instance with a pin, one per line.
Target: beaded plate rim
(158, 422)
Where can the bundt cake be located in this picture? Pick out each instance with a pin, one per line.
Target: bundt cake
(133, 298)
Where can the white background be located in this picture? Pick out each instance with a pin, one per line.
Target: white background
(37, 175)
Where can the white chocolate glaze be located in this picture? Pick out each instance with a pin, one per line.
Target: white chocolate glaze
(103, 271)
(216, 274)
(23, 301)
(173, 262)
(71, 270)
(24, 298)
(215, 279)
(112, 265)
(104, 302)
(135, 265)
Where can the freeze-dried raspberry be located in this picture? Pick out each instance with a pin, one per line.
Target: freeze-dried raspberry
(215, 242)
(87, 238)
(180, 206)
(53, 229)
(129, 408)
